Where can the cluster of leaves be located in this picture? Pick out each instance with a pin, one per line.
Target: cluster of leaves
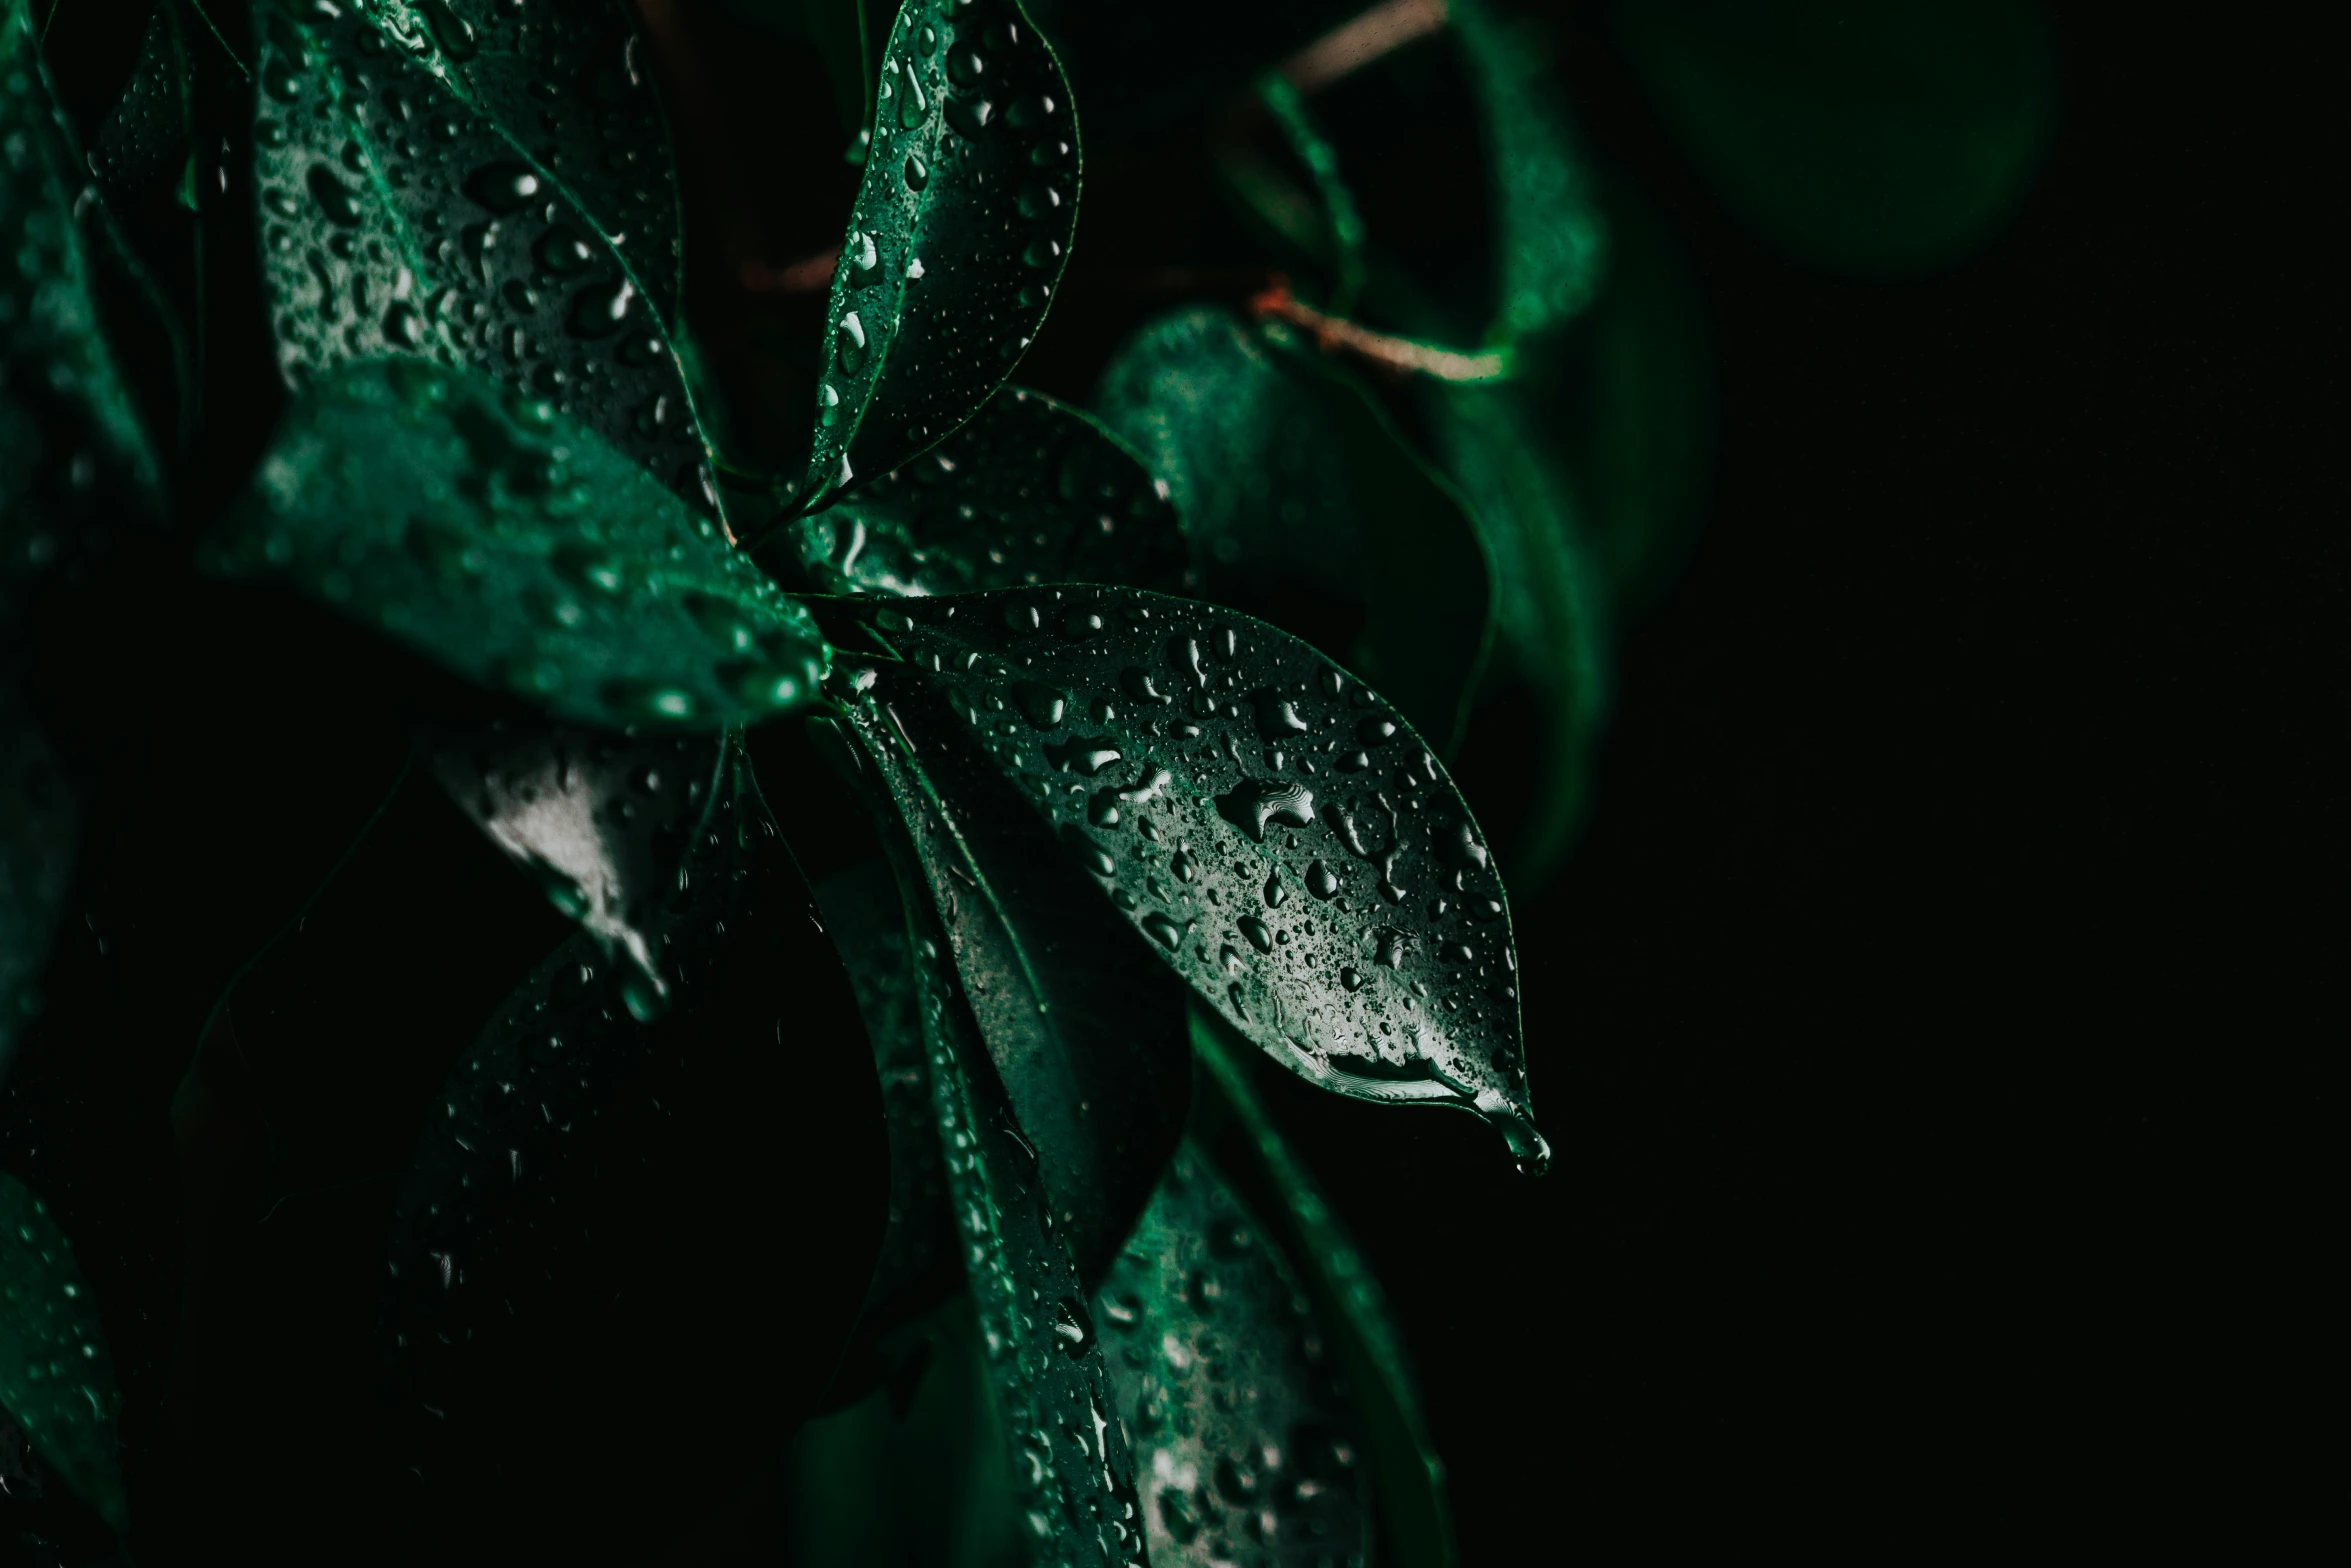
(938, 803)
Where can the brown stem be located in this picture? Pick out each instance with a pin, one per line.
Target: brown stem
(1354, 44)
(1399, 356)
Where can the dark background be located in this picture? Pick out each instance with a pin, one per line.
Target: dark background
(1917, 1017)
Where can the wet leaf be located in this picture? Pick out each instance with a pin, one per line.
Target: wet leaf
(56, 1378)
(1271, 827)
(76, 461)
(1085, 1031)
(601, 822)
(1031, 491)
(920, 1261)
(150, 136)
(1407, 1478)
(1551, 608)
(576, 1240)
(1304, 507)
(39, 820)
(957, 241)
(1872, 138)
(571, 82)
(511, 545)
(1072, 1473)
(1229, 1388)
(396, 220)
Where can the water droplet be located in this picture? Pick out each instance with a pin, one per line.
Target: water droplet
(912, 105)
(1042, 252)
(865, 260)
(1254, 804)
(1041, 705)
(333, 198)
(1274, 891)
(600, 309)
(849, 344)
(564, 251)
(1082, 756)
(1038, 198)
(651, 699)
(918, 173)
(1259, 935)
(1102, 810)
(452, 32)
(1351, 978)
(1320, 882)
(402, 325)
(1163, 930)
(279, 80)
(969, 116)
(503, 187)
(1022, 618)
(1183, 867)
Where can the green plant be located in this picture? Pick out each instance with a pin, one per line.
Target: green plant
(384, 509)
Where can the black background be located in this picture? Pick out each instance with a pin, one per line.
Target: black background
(1919, 1015)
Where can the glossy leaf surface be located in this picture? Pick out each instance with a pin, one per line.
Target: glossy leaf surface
(1072, 1472)
(1031, 491)
(599, 1203)
(1229, 1389)
(1084, 1031)
(1875, 138)
(56, 1378)
(38, 824)
(1268, 824)
(397, 220)
(508, 543)
(1407, 1478)
(957, 241)
(1304, 507)
(75, 458)
(570, 82)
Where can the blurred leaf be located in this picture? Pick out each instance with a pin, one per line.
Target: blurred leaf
(1085, 1031)
(511, 545)
(573, 1268)
(75, 458)
(1072, 1473)
(1305, 507)
(1549, 243)
(1407, 1477)
(960, 232)
(56, 1378)
(1281, 838)
(914, 1475)
(449, 243)
(150, 136)
(39, 822)
(1552, 602)
(1241, 1421)
(1031, 491)
(568, 82)
(1863, 135)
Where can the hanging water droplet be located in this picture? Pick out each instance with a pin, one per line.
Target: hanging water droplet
(918, 173)
(849, 344)
(1042, 252)
(1038, 198)
(969, 116)
(912, 105)
(865, 261)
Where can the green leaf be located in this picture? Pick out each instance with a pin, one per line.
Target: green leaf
(916, 1472)
(1867, 137)
(920, 1261)
(609, 1232)
(1072, 1472)
(75, 459)
(1305, 507)
(39, 822)
(1241, 1422)
(150, 135)
(56, 1377)
(960, 232)
(571, 83)
(397, 220)
(1277, 833)
(1551, 609)
(1084, 1031)
(1031, 491)
(1408, 1479)
(507, 542)
(1549, 243)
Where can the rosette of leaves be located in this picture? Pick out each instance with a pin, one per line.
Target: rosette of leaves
(459, 1125)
